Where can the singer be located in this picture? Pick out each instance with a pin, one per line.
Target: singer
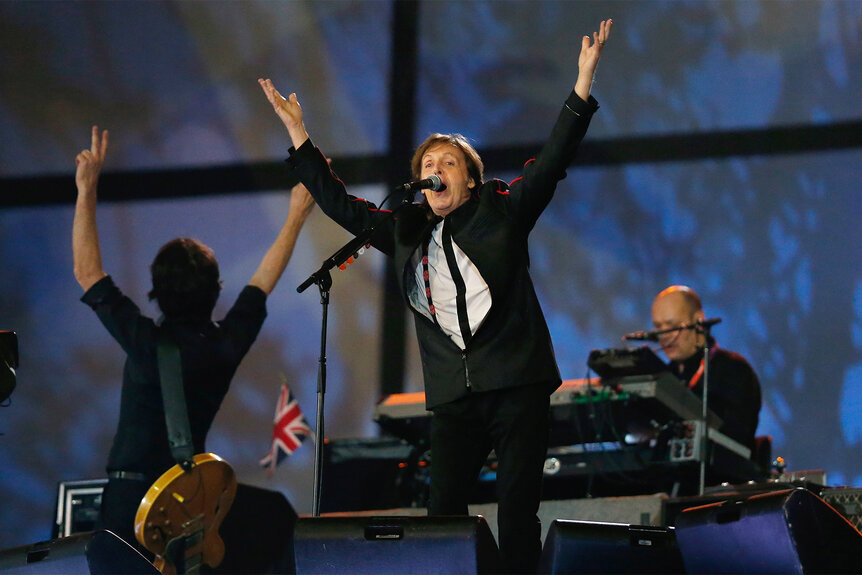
(462, 256)
(734, 390)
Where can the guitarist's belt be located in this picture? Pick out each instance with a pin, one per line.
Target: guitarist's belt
(132, 475)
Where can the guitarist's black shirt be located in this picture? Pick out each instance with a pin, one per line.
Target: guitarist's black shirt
(210, 352)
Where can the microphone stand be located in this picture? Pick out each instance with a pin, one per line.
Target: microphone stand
(705, 325)
(704, 408)
(323, 279)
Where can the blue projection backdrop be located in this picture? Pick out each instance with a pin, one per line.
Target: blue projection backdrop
(771, 242)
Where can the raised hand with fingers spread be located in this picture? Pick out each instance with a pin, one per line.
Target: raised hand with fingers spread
(588, 59)
(288, 110)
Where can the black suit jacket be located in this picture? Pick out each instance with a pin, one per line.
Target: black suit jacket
(513, 346)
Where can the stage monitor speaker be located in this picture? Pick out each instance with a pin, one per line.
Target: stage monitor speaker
(257, 533)
(788, 531)
(95, 553)
(403, 544)
(591, 547)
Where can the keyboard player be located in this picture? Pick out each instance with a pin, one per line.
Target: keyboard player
(734, 390)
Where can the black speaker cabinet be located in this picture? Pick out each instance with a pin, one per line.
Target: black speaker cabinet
(789, 531)
(369, 473)
(589, 547)
(257, 533)
(95, 552)
(415, 545)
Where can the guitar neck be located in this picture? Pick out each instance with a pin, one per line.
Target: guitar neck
(185, 553)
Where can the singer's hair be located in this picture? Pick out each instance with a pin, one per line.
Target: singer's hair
(689, 296)
(475, 167)
(185, 279)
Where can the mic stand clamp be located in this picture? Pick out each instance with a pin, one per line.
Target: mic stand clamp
(323, 279)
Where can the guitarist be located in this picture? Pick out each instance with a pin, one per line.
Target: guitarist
(186, 285)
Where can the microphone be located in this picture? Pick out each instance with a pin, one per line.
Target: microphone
(432, 182)
(641, 336)
(654, 334)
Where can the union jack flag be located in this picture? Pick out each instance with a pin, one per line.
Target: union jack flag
(288, 431)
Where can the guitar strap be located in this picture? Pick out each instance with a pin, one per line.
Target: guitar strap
(174, 399)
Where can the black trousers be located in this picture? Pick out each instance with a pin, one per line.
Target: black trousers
(120, 501)
(514, 422)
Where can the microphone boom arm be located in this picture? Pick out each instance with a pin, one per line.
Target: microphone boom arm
(349, 249)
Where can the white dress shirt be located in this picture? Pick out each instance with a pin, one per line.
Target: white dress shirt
(443, 291)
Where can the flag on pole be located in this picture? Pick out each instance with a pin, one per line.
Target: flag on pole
(288, 431)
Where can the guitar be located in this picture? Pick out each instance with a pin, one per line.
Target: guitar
(180, 515)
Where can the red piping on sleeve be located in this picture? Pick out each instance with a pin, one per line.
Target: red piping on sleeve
(364, 201)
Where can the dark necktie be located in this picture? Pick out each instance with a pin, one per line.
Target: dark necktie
(460, 287)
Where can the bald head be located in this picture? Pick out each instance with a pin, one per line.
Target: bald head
(673, 307)
(683, 296)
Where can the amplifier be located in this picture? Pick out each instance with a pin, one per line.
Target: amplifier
(78, 504)
(372, 473)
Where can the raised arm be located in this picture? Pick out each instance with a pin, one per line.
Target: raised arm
(86, 253)
(311, 166)
(278, 255)
(530, 194)
(589, 59)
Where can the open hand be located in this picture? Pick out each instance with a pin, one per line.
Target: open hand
(590, 52)
(288, 109)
